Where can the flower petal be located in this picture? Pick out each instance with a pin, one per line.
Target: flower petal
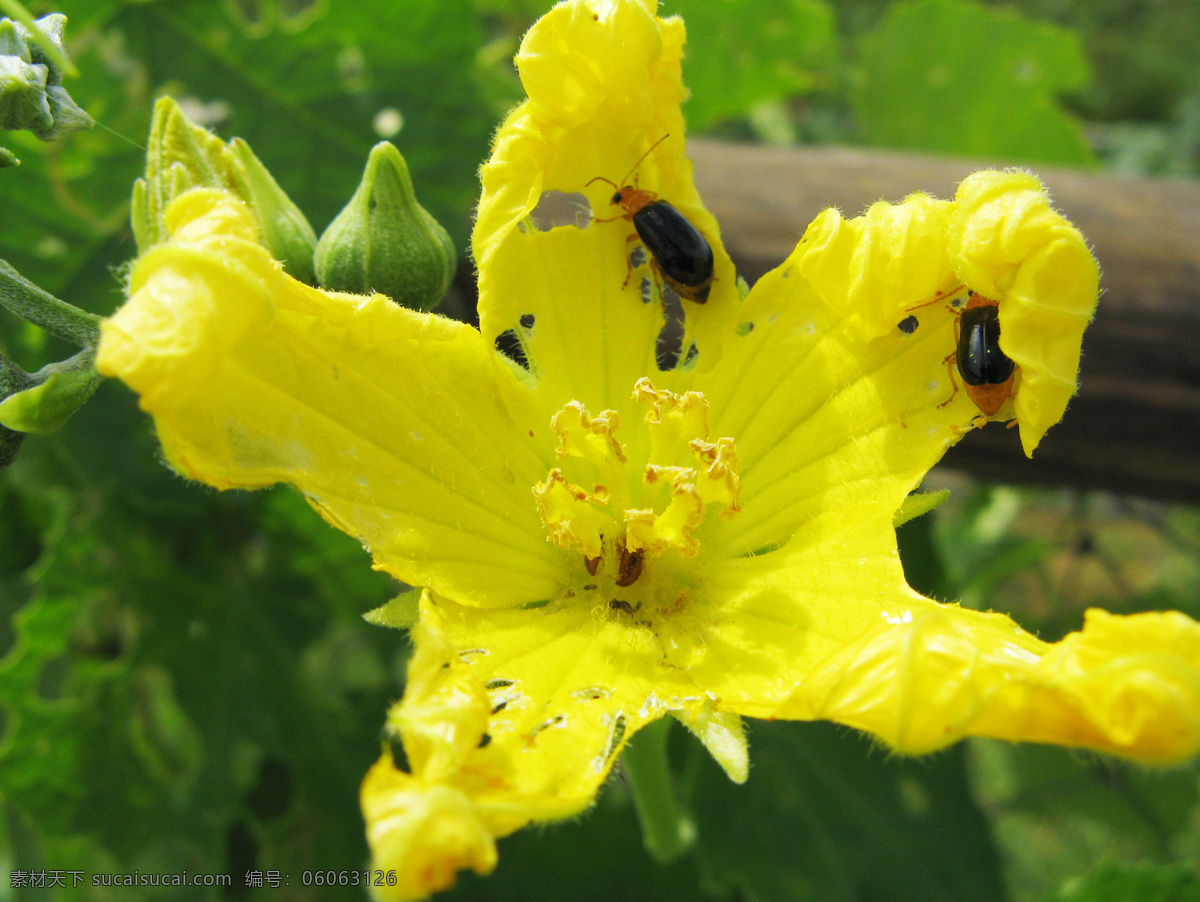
(769, 619)
(1125, 685)
(604, 86)
(510, 717)
(1008, 244)
(396, 425)
(837, 382)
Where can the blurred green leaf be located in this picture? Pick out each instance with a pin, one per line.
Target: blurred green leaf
(598, 857)
(743, 53)
(1145, 883)
(825, 816)
(957, 77)
(186, 689)
(1057, 813)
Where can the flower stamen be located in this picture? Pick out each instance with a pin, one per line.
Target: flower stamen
(606, 524)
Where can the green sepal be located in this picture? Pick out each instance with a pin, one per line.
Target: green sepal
(68, 116)
(285, 230)
(182, 155)
(400, 613)
(22, 83)
(8, 158)
(919, 503)
(45, 41)
(58, 391)
(12, 41)
(384, 241)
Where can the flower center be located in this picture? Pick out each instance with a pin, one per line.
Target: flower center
(636, 512)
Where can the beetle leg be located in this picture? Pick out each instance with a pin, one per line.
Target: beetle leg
(937, 299)
(950, 365)
(952, 362)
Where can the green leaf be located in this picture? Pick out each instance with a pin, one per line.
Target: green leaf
(744, 53)
(825, 816)
(594, 858)
(957, 77)
(1057, 812)
(1138, 883)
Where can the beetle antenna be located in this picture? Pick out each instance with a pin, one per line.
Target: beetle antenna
(601, 178)
(634, 167)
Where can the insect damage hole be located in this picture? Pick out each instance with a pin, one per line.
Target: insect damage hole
(561, 208)
(668, 346)
(510, 345)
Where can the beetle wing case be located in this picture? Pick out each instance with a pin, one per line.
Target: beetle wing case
(682, 253)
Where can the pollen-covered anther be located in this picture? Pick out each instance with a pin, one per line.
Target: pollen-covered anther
(675, 527)
(590, 438)
(674, 420)
(572, 515)
(718, 479)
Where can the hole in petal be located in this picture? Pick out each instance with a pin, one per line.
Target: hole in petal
(497, 684)
(614, 740)
(669, 344)
(399, 756)
(908, 325)
(509, 344)
(558, 208)
(745, 329)
(527, 320)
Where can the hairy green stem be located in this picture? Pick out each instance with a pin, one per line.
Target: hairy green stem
(66, 321)
(667, 832)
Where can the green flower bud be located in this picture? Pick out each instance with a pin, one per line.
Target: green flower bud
(182, 155)
(31, 92)
(23, 101)
(385, 241)
(52, 395)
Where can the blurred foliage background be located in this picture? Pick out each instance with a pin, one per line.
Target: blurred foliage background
(185, 678)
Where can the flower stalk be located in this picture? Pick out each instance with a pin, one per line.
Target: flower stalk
(66, 321)
(668, 832)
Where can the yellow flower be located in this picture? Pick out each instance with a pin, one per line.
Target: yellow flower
(611, 534)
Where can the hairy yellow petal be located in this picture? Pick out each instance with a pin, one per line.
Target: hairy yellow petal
(936, 673)
(511, 717)
(396, 425)
(1009, 244)
(423, 833)
(604, 86)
